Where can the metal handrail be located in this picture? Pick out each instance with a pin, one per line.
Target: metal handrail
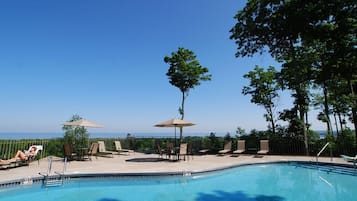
(323, 148)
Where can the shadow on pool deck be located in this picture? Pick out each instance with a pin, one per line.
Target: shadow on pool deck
(146, 160)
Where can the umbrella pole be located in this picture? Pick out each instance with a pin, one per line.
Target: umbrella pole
(175, 136)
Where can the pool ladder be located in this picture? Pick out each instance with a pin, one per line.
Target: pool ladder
(323, 148)
(51, 181)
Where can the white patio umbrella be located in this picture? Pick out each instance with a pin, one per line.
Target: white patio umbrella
(83, 123)
(175, 123)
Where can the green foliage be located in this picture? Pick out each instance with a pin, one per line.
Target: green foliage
(345, 142)
(316, 43)
(240, 132)
(215, 143)
(76, 135)
(313, 136)
(263, 89)
(55, 147)
(185, 73)
(227, 137)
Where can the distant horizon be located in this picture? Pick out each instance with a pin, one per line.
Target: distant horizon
(49, 135)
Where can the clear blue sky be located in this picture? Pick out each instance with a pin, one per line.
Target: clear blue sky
(103, 60)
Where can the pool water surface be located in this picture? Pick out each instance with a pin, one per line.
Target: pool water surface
(267, 182)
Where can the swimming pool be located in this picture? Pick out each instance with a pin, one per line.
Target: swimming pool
(261, 182)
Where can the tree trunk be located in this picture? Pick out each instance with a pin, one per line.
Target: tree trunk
(336, 124)
(340, 120)
(302, 118)
(182, 112)
(307, 121)
(272, 119)
(354, 107)
(326, 110)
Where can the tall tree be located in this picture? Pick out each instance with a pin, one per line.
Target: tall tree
(185, 73)
(280, 26)
(296, 75)
(264, 91)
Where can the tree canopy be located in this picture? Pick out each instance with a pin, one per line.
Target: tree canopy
(316, 43)
(185, 72)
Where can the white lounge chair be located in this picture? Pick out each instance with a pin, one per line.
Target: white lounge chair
(227, 148)
(349, 158)
(183, 150)
(119, 148)
(240, 147)
(15, 162)
(264, 147)
(102, 151)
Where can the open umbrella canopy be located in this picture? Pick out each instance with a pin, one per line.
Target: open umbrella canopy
(84, 123)
(175, 123)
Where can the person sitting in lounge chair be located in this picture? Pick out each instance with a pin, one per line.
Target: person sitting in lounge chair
(24, 156)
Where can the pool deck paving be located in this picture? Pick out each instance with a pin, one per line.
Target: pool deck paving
(139, 163)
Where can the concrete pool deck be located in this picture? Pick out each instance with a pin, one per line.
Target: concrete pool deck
(137, 163)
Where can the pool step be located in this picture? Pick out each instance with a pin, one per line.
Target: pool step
(328, 168)
(53, 182)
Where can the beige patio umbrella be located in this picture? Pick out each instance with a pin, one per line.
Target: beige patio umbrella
(83, 123)
(175, 123)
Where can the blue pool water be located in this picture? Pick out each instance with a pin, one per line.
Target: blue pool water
(269, 182)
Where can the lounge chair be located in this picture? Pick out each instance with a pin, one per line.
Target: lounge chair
(33, 157)
(349, 158)
(102, 151)
(183, 151)
(201, 148)
(240, 148)
(15, 162)
(203, 151)
(93, 150)
(227, 148)
(4, 164)
(119, 148)
(264, 147)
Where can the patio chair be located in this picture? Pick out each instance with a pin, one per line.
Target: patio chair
(160, 151)
(69, 152)
(119, 148)
(264, 147)
(183, 151)
(227, 148)
(170, 150)
(190, 151)
(240, 148)
(102, 151)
